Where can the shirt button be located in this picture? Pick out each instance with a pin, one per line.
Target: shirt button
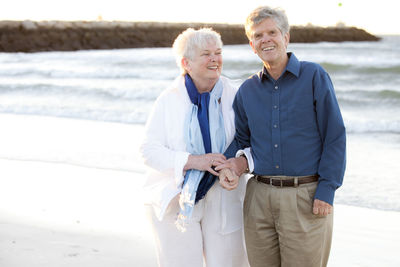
(275, 107)
(276, 87)
(275, 126)
(277, 166)
(276, 145)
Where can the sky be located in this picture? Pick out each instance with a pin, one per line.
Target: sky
(377, 17)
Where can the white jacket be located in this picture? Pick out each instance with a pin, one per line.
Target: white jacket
(164, 151)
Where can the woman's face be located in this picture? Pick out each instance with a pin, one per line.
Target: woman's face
(206, 63)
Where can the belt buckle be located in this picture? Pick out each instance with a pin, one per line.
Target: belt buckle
(278, 179)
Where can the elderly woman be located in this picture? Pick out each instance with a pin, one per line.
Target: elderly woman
(194, 219)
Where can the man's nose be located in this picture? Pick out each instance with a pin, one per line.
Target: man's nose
(265, 38)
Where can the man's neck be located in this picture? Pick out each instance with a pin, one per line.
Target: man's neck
(275, 69)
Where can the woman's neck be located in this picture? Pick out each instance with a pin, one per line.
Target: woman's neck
(204, 86)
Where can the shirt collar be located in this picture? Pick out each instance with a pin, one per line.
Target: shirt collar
(293, 66)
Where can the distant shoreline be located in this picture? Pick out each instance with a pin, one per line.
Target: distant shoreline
(36, 36)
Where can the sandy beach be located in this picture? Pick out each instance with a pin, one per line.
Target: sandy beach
(70, 195)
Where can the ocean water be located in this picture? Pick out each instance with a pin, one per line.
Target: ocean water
(121, 86)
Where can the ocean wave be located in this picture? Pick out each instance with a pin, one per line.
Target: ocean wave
(373, 97)
(389, 94)
(115, 73)
(124, 105)
(367, 126)
(140, 92)
(332, 67)
(133, 116)
(384, 69)
(361, 69)
(126, 113)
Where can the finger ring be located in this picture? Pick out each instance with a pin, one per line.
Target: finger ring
(212, 161)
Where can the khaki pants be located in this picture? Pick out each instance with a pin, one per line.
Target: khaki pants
(280, 228)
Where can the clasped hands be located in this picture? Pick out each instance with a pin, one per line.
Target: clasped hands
(228, 170)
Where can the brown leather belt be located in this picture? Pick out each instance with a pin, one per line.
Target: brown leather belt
(282, 181)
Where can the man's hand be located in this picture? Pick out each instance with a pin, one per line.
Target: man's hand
(321, 207)
(228, 179)
(237, 165)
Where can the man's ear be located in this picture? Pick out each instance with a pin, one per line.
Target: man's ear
(287, 38)
(252, 46)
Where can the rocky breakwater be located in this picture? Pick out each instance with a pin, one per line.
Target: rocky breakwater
(35, 36)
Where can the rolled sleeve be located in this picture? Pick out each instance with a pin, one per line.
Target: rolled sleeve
(247, 153)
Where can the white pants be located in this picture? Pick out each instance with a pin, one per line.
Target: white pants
(201, 241)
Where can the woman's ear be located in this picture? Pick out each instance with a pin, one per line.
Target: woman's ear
(185, 64)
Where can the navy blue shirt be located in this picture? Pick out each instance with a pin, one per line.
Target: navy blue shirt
(293, 125)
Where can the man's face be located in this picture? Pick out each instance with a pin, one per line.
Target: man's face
(268, 42)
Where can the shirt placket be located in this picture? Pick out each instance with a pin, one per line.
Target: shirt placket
(276, 132)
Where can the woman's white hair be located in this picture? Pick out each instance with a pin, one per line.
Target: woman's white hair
(191, 40)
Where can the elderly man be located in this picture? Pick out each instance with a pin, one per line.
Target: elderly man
(290, 130)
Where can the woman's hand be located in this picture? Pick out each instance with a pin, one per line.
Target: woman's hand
(228, 179)
(237, 165)
(205, 162)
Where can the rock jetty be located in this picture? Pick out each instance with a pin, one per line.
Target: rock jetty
(35, 36)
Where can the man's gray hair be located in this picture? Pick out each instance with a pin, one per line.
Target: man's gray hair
(261, 13)
(191, 40)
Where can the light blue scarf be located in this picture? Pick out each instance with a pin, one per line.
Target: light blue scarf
(194, 145)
